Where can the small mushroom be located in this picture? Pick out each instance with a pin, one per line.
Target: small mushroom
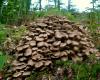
(19, 55)
(26, 73)
(34, 48)
(34, 53)
(39, 64)
(41, 44)
(37, 57)
(56, 43)
(37, 38)
(54, 49)
(19, 48)
(64, 58)
(31, 34)
(28, 52)
(47, 63)
(39, 29)
(57, 54)
(51, 40)
(42, 24)
(30, 62)
(19, 67)
(69, 42)
(17, 63)
(25, 46)
(43, 35)
(75, 48)
(17, 74)
(83, 42)
(63, 45)
(32, 43)
(63, 54)
(75, 43)
(22, 59)
(75, 58)
(80, 54)
(58, 34)
(28, 38)
(71, 35)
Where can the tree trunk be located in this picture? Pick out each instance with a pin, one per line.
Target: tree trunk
(40, 5)
(55, 2)
(58, 5)
(1, 2)
(69, 5)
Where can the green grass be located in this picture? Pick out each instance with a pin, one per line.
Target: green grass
(3, 33)
(17, 33)
(3, 59)
(81, 70)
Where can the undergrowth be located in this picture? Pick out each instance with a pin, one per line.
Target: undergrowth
(3, 60)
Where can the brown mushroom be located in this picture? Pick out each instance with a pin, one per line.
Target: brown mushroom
(37, 38)
(32, 43)
(57, 54)
(28, 38)
(37, 57)
(30, 62)
(28, 52)
(17, 74)
(34, 48)
(69, 42)
(58, 34)
(26, 73)
(47, 63)
(56, 43)
(75, 43)
(39, 64)
(42, 44)
(63, 45)
(22, 59)
(42, 24)
(64, 58)
(63, 54)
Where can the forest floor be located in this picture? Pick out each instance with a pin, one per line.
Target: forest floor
(88, 69)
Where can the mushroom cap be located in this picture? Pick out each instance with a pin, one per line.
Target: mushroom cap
(26, 73)
(17, 74)
(56, 43)
(39, 64)
(28, 52)
(75, 43)
(58, 34)
(42, 44)
(30, 62)
(47, 63)
(64, 58)
(69, 42)
(22, 59)
(57, 54)
(32, 43)
(63, 45)
(37, 57)
(42, 24)
(37, 38)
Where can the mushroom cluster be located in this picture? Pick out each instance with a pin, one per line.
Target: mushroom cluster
(50, 38)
